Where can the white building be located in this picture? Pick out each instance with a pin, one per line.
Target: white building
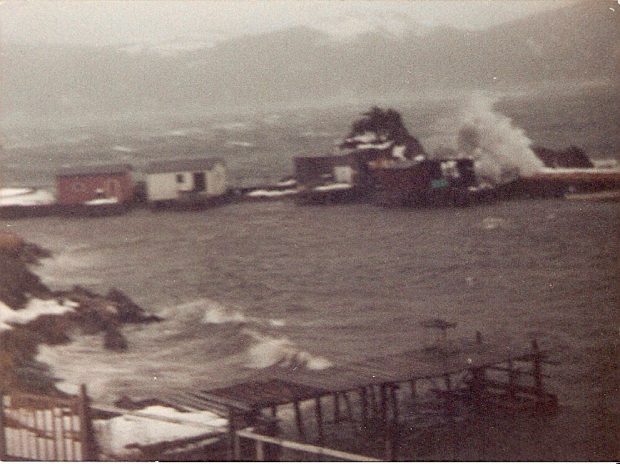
(185, 180)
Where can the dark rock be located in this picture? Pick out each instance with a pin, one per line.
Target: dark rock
(571, 157)
(17, 281)
(128, 311)
(31, 253)
(114, 340)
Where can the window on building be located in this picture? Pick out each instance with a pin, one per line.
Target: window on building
(180, 179)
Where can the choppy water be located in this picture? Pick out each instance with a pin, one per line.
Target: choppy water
(245, 285)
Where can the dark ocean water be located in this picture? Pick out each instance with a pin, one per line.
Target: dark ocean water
(245, 285)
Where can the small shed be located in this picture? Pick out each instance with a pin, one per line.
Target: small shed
(77, 185)
(311, 171)
(350, 167)
(180, 180)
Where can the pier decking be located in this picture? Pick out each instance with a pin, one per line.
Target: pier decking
(476, 374)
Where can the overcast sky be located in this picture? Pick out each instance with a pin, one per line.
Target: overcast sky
(106, 22)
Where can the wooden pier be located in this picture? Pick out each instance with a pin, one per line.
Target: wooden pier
(377, 397)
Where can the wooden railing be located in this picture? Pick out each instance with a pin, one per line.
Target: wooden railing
(45, 428)
(260, 441)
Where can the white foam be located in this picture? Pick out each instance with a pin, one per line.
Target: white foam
(34, 309)
(268, 351)
(219, 314)
(236, 143)
(491, 223)
(123, 149)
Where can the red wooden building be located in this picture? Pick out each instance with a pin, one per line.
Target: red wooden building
(77, 185)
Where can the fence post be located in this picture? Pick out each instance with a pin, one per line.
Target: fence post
(85, 426)
(260, 454)
(537, 372)
(3, 456)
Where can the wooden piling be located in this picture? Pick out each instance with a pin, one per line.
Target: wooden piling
(347, 402)
(373, 401)
(3, 456)
(319, 419)
(384, 405)
(512, 380)
(395, 424)
(232, 436)
(448, 382)
(537, 371)
(394, 400)
(299, 420)
(364, 402)
(414, 389)
(337, 417)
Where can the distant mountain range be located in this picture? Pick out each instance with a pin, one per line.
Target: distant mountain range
(578, 43)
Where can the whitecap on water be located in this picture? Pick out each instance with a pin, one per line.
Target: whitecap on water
(490, 223)
(268, 351)
(219, 314)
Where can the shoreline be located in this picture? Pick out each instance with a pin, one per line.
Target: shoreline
(39, 319)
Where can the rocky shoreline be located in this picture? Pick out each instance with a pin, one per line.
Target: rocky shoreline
(22, 332)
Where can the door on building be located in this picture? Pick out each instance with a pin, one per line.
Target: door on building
(200, 183)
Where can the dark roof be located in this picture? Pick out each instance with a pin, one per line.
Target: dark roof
(178, 165)
(86, 170)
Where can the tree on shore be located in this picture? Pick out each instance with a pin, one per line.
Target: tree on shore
(385, 125)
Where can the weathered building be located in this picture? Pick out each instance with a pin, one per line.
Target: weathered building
(79, 185)
(179, 181)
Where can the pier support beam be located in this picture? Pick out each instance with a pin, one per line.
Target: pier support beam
(537, 371)
(364, 402)
(319, 419)
(336, 408)
(347, 402)
(414, 389)
(299, 421)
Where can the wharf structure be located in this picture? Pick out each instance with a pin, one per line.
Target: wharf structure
(381, 402)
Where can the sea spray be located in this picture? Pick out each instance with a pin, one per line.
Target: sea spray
(216, 313)
(268, 351)
(501, 149)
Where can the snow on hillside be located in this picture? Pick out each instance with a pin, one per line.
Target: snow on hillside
(174, 47)
(389, 24)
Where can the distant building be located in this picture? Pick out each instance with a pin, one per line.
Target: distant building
(79, 185)
(185, 181)
(351, 167)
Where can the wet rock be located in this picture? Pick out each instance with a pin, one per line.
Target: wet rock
(17, 281)
(114, 340)
(128, 311)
